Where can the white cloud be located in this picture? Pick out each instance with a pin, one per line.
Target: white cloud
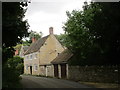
(43, 15)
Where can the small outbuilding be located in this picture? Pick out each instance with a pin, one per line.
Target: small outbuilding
(60, 64)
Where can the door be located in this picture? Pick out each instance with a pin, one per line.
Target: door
(31, 70)
(63, 70)
(56, 70)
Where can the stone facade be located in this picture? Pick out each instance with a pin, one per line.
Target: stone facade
(39, 62)
(102, 74)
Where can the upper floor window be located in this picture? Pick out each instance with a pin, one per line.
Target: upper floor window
(35, 56)
(27, 57)
(31, 56)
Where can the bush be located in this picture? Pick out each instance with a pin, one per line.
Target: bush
(11, 72)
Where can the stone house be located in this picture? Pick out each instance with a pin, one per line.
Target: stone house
(60, 64)
(23, 50)
(38, 57)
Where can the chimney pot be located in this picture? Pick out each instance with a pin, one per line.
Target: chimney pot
(51, 30)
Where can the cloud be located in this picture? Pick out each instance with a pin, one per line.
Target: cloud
(43, 14)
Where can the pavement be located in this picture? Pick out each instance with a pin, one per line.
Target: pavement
(43, 82)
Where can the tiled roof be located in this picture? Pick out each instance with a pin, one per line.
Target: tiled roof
(25, 48)
(34, 47)
(62, 57)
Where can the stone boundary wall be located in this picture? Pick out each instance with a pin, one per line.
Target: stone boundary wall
(102, 74)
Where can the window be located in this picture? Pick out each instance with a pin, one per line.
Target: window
(31, 57)
(27, 57)
(35, 56)
(36, 67)
(26, 67)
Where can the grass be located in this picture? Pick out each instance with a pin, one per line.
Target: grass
(101, 85)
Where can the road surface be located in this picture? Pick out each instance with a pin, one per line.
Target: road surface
(43, 82)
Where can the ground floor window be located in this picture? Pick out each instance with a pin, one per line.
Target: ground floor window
(26, 67)
(36, 67)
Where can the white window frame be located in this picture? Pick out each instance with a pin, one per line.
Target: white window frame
(35, 55)
(31, 57)
(35, 67)
(26, 67)
(27, 57)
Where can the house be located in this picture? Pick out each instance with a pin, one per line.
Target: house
(19, 50)
(60, 64)
(23, 50)
(16, 52)
(38, 57)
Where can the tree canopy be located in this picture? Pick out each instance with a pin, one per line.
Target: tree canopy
(93, 34)
(28, 40)
(13, 25)
(14, 29)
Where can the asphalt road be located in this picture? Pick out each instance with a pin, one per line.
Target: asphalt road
(43, 82)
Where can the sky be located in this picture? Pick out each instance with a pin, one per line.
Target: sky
(42, 14)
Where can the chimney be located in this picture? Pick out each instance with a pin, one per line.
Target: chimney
(51, 30)
(33, 39)
(16, 52)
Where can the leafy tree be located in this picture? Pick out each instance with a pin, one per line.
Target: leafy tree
(79, 39)
(62, 39)
(16, 63)
(105, 27)
(14, 29)
(13, 67)
(35, 35)
(28, 40)
(92, 36)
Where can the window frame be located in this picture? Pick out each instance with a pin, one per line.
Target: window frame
(35, 67)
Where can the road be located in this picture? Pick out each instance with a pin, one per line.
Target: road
(43, 82)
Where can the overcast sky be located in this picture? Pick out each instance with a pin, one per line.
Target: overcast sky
(42, 14)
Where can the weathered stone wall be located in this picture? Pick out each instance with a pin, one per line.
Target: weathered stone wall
(106, 74)
(31, 62)
(42, 71)
(49, 50)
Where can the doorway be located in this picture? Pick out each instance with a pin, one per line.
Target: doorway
(31, 70)
(56, 70)
(63, 70)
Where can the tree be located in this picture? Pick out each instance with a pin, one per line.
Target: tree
(35, 35)
(14, 29)
(13, 67)
(79, 40)
(32, 34)
(62, 38)
(92, 36)
(105, 26)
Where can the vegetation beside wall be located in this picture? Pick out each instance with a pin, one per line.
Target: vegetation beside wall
(101, 74)
(12, 71)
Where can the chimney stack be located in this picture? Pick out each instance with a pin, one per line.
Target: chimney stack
(51, 30)
(33, 39)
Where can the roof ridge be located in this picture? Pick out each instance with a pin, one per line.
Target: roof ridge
(35, 46)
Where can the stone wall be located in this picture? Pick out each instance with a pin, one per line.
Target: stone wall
(105, 74)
